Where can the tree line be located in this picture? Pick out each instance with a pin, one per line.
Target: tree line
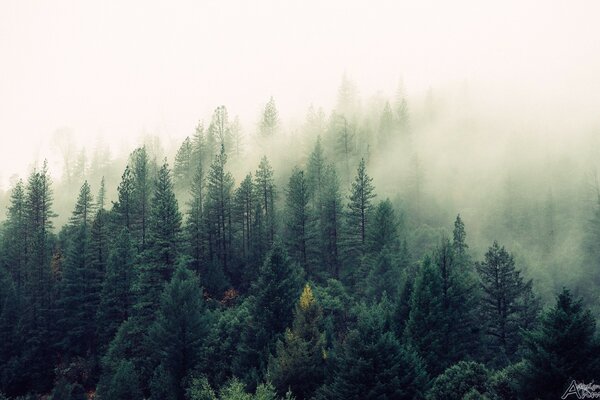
(253, 291)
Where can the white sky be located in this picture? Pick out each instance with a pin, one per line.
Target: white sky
(116, 68)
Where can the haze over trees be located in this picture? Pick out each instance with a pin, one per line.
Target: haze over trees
(326, 260)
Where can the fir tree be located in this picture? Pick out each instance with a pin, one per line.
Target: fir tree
(182, 168)
(331, 221)
(372, 364)
(218, 213)
(266, 194)
(270, 120)
(300, 227)
(15, 236)
(179, 331)
(561, 349)
(359, 207)
(300, 358)
(504, 304)
(115, 297)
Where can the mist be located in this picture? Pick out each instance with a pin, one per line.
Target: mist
(487, 111)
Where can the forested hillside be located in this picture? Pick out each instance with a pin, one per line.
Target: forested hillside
(354, 255)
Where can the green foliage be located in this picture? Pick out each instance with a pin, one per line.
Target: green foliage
(269, 123)
(218, 214)
(443, 324)
(115, 298)
(508, 304)
(562, 348)
(178, 334)
(123, 385)
(278, 282)
(372, 364)
(300, 358)
(461, 381)
(300, 225)
(360, 207)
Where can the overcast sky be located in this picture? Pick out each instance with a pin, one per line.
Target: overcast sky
(116, 68)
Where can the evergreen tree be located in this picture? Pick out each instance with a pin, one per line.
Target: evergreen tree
(372, 364)
(458, 381)
(383, 231)
(140, 197)
(245, 220)
(266, 193)
(360, 207)
(315, 174)
(101, 199)
(269, 123)
(331, 221)
(182, 168)
(385, 277)
(79, 281)
(561, 349)
(218, 213)
(123, 385)
(164, 230)
(180, 329)
(115, 297)
(507, 302)
(15, 236)
(272, 306)
(123, 208)
(299, 362)
(300, 226)
(443, 325)
(459, 237)
(219, 132)
(11, 369)
(194, 226)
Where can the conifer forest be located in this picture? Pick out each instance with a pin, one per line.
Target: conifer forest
(405, 242)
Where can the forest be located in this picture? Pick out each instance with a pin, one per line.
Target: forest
(353, 255)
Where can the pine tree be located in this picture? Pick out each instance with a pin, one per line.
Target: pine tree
(115, 297)
(182, 168)
(15, 236)
(38, 285)
(180, 329)
(269, 123)
(561, 349)
(140, 197)
(360, 207)
(331, 221)
(245, 218)
(194, 226)
(123, 208)
(315, 174)
(11, 369)
(372, 364)
(443, 325)
(218, 213)
(164, 230)
(383, 231)
(79, 281)
(299, 363)
(219, 132)
(266, 194)
(101, 199)
(459, 242)
(503, 302)
(272, 306)
(385, 276)
(300, 226)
